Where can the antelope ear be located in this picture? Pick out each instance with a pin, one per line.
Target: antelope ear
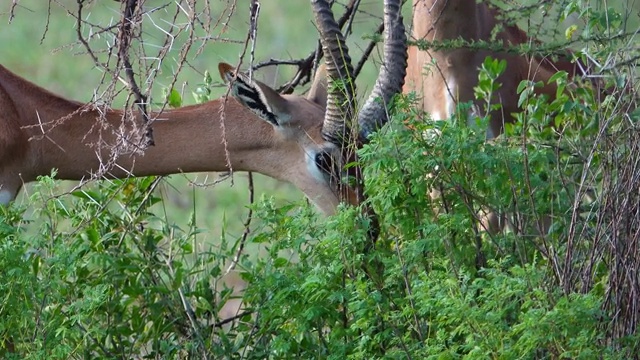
(256, 96)
(318, 90)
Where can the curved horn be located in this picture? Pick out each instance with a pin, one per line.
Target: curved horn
(373, 114)
(340, 99)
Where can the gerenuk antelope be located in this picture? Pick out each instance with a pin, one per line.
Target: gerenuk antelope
(287, 137)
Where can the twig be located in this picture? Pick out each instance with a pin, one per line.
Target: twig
(124, 42)
(353, 4)
(254, 12)
(12, 10)
(228, 320)
(46, 25)
(81, 38)
(247, 226)
(221, 178)
(367, 52)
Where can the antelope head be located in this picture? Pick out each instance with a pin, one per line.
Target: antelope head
(328, 143)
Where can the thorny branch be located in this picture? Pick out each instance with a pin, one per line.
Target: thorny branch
(134, 65)
(254, 10)
(129, 18)
(367, 51)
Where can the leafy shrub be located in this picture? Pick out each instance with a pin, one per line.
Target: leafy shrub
(118, 283)
(104, 277)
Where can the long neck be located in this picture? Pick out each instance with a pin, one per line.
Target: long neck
(190, 139)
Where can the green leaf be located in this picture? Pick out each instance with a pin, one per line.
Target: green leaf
(280, 262)
(560, 75)
(89, 195)
(173, 98)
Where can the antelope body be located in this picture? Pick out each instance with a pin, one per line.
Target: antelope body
(446, 77)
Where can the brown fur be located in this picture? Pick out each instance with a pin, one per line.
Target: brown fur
(63, 135)
(441, 20)
(13, 144)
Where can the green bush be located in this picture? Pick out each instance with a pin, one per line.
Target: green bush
(104, 276)
(119, 282)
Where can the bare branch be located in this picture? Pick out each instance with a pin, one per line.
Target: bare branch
(124, 42)
(247, 226)
(12, 10)
(367, 52)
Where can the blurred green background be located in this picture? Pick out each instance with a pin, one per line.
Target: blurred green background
(43, 48)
